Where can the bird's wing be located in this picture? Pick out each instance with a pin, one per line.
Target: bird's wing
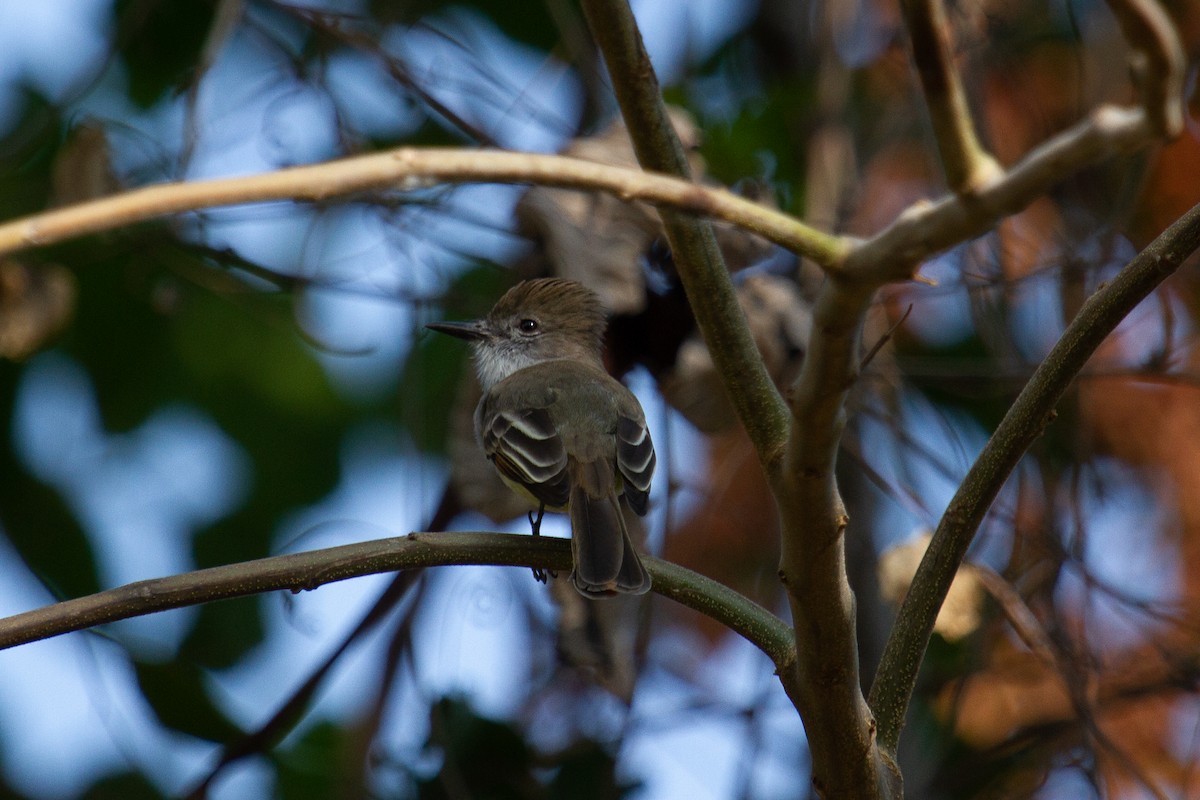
(635, 458)
(527, 450)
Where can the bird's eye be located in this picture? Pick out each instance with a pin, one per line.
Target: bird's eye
(528, 325)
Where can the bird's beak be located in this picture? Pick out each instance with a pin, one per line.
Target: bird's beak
(471, 331)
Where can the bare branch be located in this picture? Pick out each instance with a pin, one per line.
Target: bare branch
(409, 168)
(967, 165)
(298, 572)
(1024, 422)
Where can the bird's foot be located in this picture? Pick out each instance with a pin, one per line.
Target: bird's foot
(539, 574)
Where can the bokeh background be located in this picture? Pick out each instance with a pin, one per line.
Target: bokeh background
(240, 382)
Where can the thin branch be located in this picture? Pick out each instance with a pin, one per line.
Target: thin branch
(884, 339)
(693, 244)
(306, 571)
(409, 168)
(967, 165)
(1024, 422)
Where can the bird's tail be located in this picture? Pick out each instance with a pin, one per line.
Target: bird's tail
(606, 562)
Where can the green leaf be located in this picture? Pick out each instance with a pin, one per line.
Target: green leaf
(224, 632)
(36, 518)
(312, 768)
(431, 377)
(161, 43)
(525, 21)
(176, 692)
(433, 371)
(488, 759)
(589, 772)
(126, 786)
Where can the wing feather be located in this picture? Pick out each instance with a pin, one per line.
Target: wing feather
(525, 448)
(635, 460)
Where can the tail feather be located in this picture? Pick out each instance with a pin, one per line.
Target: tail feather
(606, 562)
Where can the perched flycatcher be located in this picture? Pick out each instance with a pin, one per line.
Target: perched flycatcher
(558, 428)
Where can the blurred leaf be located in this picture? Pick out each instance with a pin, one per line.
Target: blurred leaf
(430, 381)
(311, 769)
(36, 518)
(481, 757)
(27, 153)
(253, 347)
(484, 758)
(589, 772)
(36, 303)
(160, 43)
(176, 692)
(757, 143)
(224, 631)
(984, 396)
(473, 293)
(126, 786)
(120, 338)
(83, 167)
(526, 21)
(434, 367)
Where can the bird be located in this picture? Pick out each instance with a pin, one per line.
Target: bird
(559, 429)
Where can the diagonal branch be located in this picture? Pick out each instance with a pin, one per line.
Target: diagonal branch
(298, 572)
(967, 165)
(1024, 422)
(701, 268)
(410, 168)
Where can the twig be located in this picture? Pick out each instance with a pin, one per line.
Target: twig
(884, 339)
